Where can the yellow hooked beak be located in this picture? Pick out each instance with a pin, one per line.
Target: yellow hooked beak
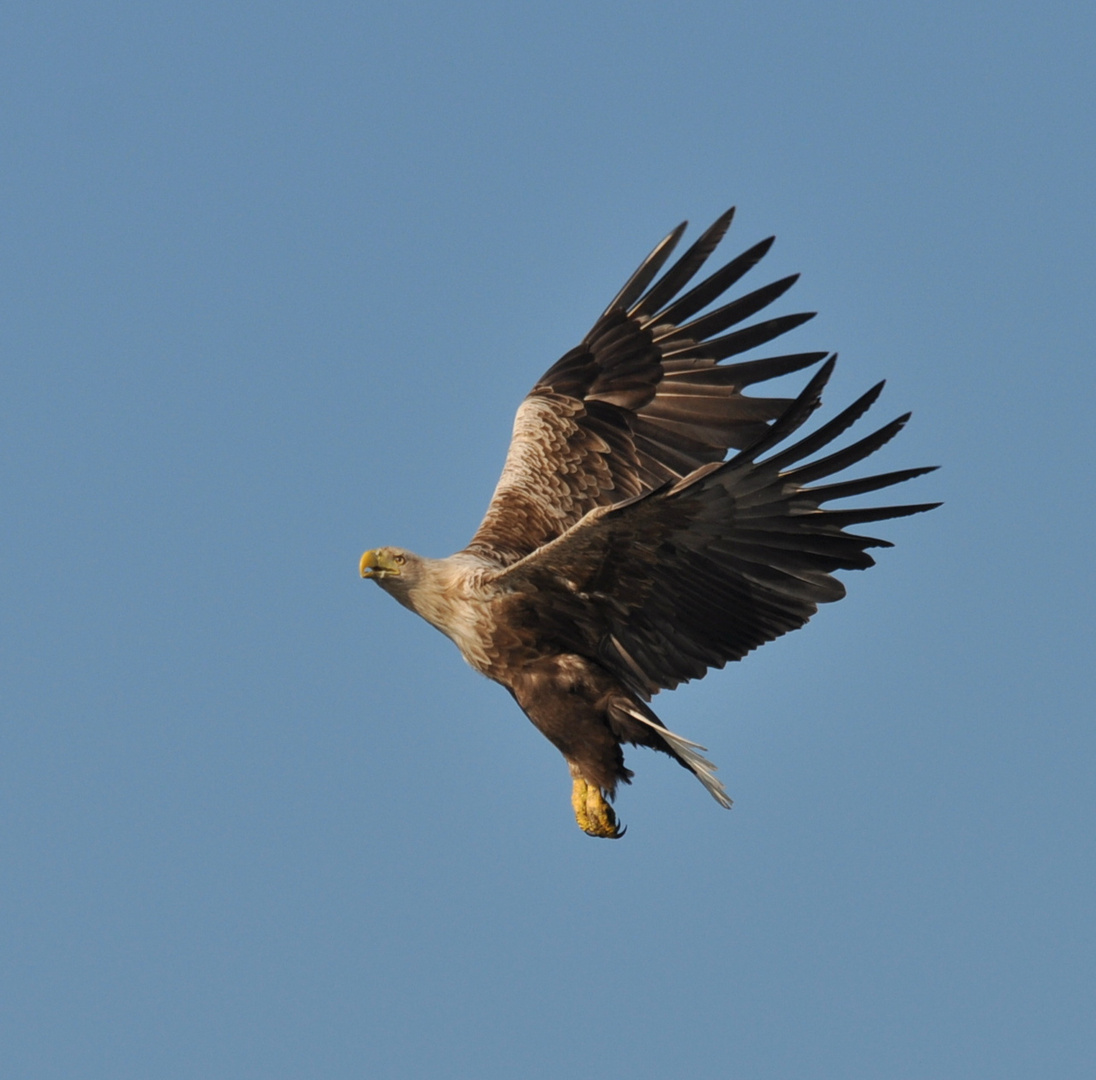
(376, 564)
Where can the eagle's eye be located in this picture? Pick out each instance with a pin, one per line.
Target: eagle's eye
(399, 560)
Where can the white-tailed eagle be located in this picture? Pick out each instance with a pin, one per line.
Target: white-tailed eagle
(623, 551)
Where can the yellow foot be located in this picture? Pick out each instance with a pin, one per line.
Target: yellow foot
(594, 815)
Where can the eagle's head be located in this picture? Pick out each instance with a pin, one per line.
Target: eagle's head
(401, 573)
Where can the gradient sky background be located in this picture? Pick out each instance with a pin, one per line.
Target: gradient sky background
(275, 278)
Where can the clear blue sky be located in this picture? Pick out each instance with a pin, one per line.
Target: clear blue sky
(274, 279)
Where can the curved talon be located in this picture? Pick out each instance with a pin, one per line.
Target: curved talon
(593, 813)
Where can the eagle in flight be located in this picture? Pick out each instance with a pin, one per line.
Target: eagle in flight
(624, 552)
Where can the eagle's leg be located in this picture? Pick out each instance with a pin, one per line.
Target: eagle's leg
(593, 813)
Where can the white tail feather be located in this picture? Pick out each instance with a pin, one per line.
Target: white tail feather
(688, 751)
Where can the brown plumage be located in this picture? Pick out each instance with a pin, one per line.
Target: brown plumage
(622, 552)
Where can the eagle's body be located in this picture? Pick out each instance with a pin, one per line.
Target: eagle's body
(621, 554)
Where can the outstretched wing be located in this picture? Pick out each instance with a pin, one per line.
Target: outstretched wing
(642, 401)
(699, 572)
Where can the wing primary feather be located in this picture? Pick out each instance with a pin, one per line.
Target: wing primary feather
(846, 456)
(749, 337)
(828, 431)
(645, 272)
(793, 418)
(746, 372)
(682, 272)
(848, 488)
(699, 297)
(717, 321)
(841, 518)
